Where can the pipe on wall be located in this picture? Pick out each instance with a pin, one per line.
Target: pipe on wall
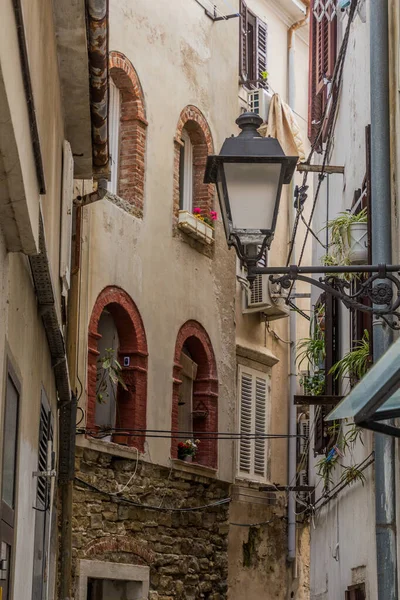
(381, 219)
(97, 11)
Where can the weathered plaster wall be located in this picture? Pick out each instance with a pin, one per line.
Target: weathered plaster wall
(339, 546)
(186, 552)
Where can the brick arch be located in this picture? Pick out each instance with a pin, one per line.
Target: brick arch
(115, 544)
(205, 390)
(132, 345)
(194, 122)
(133, 129)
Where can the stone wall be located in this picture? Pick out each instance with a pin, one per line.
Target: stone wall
(186, 552)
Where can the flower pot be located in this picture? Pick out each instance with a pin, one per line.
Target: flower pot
(357, 240)
(120, 438)
(188, 458)
(195, 228)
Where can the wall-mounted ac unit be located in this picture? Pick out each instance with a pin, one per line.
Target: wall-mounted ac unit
(263, 299)
(259, 102)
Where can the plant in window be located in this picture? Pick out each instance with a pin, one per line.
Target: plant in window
(188, 449)
(355, 363)
(208, 217)
(108, 371)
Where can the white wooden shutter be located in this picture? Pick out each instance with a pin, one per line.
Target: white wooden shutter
(261, 45)
(246, 400)
(260, 423)
(66, 217)
(114, 115)
(253, 397)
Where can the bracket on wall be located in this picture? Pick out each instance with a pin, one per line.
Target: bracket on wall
(214, 16)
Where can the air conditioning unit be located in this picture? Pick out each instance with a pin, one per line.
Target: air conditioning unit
(259, 102)
(304, 433)
(264, 297)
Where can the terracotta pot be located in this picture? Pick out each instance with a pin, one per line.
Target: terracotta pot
(120, 438)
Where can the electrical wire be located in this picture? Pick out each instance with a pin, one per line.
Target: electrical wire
(276, 336)
(178, 435)
(150, 506)
(333, 96)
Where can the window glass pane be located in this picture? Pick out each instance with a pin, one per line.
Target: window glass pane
(187, 176)
(10, 443)
(114, 124)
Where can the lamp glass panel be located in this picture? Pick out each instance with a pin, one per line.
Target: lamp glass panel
(393, 403)
(371, 385)
(252, 191)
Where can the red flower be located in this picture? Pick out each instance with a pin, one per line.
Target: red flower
(197, 211)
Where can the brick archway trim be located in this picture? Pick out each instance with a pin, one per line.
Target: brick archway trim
(196, 125)
(192, 113)
(205, 389)
(132, 404)
(119, 544)
(132, 130)
(119, 61)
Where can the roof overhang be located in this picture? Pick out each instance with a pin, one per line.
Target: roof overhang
(70, 24)
(375, 400)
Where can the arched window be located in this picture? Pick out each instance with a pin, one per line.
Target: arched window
(193, 143)
(195, 392)
(116, 333)
(127, 132)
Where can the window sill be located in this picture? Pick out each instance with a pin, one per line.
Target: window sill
(195, 228)
(194, 468)
(107, 447)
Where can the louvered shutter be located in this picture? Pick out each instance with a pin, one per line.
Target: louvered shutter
(261, 46)
(246, 397)
(253, 396)
(243, 51)
(260, 422)
(66, 217)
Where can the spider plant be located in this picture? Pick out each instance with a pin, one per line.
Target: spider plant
(355, 362)
(339, 227)
(312, 350)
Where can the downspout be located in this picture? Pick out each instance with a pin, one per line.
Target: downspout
(292, 454)
(381, 217)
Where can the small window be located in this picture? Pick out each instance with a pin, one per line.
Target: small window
(186, 173)
(113, 132)
(185, 404)
(10, 436)
(254, 400)
(253, 49)
(356, 592)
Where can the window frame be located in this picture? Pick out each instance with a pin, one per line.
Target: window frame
(114, 116)
(186, 182)
(255, 374)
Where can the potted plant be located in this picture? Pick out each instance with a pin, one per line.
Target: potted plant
(349, 238)
(109, 376)
(199, 224)
(188, 450)
(355, 363)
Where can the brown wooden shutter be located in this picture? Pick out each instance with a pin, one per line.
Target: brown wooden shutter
(261, 57)
(243, 50)
(323, 37)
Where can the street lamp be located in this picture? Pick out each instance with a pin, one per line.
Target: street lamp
(249, 173)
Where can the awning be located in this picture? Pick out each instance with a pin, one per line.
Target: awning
(376, 398)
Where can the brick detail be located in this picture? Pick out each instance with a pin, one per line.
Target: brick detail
(133, 129)
(132, 404)
(118, 544)
(195, 124)
(205, 391)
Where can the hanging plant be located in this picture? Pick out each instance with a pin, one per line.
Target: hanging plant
(355, 363)
(348, 233)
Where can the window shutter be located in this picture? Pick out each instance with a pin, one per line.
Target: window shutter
(243, 58)
(262, 46)
(45, 436)
(323, 35)
(246, 388)
(66, 216)
(253, 396)
(260, 425)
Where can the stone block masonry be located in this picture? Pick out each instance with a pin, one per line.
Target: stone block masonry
(186, 552)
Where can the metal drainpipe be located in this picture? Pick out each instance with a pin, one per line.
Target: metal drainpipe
(385, 491)
(292, 466)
